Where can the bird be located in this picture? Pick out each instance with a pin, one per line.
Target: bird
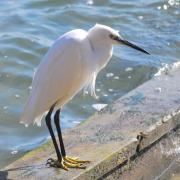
(70, 65)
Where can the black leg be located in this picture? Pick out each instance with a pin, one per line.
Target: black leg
(58, 127)
(63, 161)
(68, 161)
(48, 123)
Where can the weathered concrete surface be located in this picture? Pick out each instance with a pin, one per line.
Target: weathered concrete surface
(156, 162)
(109, 139)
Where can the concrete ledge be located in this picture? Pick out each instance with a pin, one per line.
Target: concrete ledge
(119, 141)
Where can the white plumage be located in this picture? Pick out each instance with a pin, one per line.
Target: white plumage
(68, 66)
(71, 64)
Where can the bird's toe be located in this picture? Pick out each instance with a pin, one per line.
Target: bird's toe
(67, 162)
(75, 160)
(74, 165)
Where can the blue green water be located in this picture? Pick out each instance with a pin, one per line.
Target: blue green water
(27, 30)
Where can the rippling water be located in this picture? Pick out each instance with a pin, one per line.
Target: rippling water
(27, 30)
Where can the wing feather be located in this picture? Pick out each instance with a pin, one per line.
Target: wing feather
(58, 78)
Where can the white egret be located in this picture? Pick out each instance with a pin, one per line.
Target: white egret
(71, 64)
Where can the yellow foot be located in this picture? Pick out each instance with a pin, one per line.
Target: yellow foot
(66, 163)
(72, 165)
(74, 160)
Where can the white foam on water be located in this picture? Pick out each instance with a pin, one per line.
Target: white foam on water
(109, 75)
(30, 87)
(128, 69)
(98, 90)
(76, 122)
(99, 107)
(90, 2)
(140, 17)
(110, 90)
(165, 7)
(5, 107)
(14, 152)
(116, 77)
(167, 68)
(173, 2)
(17, 95)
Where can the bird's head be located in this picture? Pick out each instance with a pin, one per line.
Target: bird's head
(104, 34)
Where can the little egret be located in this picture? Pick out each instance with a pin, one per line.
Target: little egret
(71, 64)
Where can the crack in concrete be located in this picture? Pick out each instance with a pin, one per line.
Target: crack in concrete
(140, 138)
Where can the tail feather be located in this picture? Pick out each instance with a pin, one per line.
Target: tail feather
(30, 114)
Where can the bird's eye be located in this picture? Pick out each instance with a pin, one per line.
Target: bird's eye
(112, 36)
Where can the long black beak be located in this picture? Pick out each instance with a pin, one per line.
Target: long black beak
(127, 43)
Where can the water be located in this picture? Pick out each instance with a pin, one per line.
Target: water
(27, 30)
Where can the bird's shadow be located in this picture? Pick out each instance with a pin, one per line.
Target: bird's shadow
(4, 173)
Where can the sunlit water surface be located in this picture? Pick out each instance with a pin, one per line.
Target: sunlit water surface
(27, 30)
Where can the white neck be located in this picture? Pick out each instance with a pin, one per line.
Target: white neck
(102, 52)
